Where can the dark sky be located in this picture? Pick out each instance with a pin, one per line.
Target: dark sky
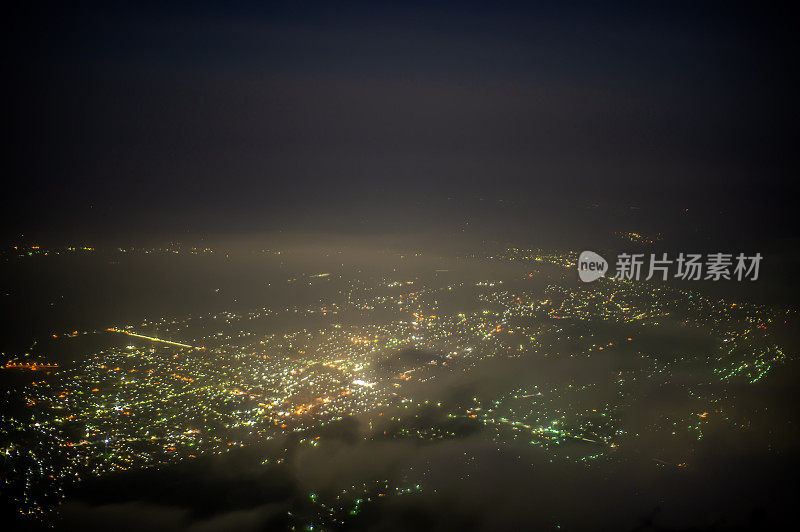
(131, 119)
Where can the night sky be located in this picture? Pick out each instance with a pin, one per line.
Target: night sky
(133, 119)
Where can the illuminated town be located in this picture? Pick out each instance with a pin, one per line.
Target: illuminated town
(381, 351)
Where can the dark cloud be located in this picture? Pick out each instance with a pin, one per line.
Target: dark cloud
(473, 483)
(470, 483)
